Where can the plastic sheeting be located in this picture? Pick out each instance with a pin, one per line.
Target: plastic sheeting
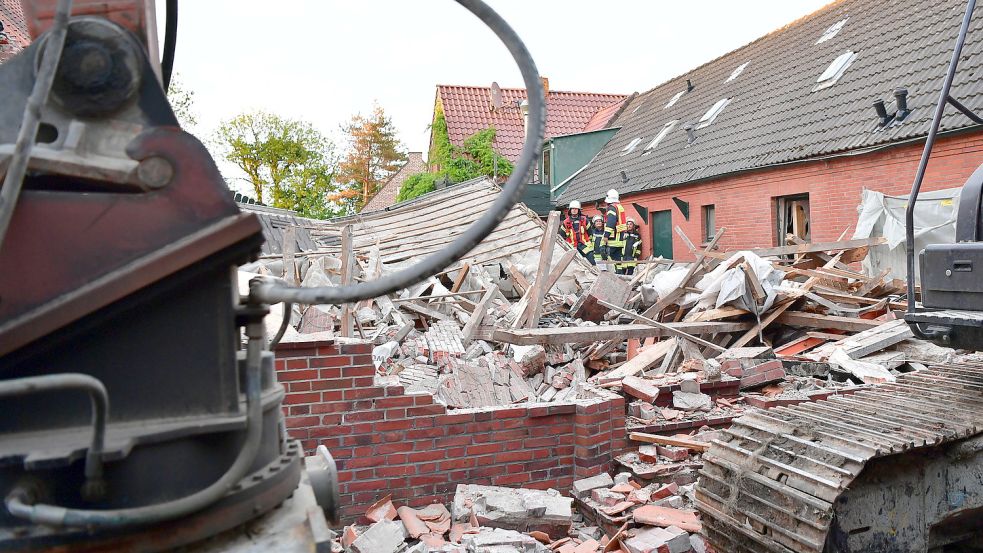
(721, 286)
(882, 215)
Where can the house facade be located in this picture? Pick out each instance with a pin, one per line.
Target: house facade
(14, 35)
(386, 196)
(782, 135)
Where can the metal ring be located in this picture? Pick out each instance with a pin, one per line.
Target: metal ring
(436, 262)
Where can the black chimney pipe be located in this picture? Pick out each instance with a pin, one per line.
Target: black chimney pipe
(901, 99)
(882, 113)
(689, 86)
(690, 135)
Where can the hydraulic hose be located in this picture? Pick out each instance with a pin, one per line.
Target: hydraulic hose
(20, 502)
(268, 292)
(94, 486)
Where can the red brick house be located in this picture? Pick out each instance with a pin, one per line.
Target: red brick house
(13, 29)
(782, 135)
(386, 196)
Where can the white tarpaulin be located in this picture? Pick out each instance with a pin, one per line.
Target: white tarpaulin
(881, 215)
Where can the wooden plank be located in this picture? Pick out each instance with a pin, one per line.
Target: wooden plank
(645, 360)
(657, 324)
(461, 275)
(347, 275)
(695, 268)
(715, 314)
(757, 291)
(518, 279)
(874, 282)
(425, 311)
(819, 247)
(439, 296)
(799, 345)
(815, 320)
(289, 251)
(577, 334)
(471, 327)
(870, 341)
(542, 271)
(677, 441)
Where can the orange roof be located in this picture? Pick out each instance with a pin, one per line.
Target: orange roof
(14, 27)
(468, 109)
(604, 116)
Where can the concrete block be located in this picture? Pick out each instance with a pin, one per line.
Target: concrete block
(385, 536)
(640, 388)
(606, 497)
(688, 401)
(622, 477)
(689, 384)
(581, 487)
(648, 540)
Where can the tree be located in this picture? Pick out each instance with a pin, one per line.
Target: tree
(182, 101)
(374, 154)
(288, 162)
(456, 164)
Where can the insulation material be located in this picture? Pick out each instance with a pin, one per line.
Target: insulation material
(881, 215)
(724, 286)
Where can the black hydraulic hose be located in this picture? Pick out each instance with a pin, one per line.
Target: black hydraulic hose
(14, 179)
(170, 44)
(21, 503)
(268, 292)
(288, 309)
(100, 414)
(927, 152)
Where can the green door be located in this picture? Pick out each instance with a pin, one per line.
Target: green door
(662, 233)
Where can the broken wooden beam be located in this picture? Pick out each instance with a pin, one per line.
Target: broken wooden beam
(815, 320)
(678, 441)
(542, 271)
(657, 324)
(576, 334)
(347, 275)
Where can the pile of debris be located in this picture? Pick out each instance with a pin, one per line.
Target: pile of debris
(489, 519)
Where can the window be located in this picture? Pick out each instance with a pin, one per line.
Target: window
(738, 71)
(712, 113)
(631, 146)
(709, 223)
(675, 99)
(662, 134)
(792, 219)
(548, 166)
(831, 31)
(835, 70)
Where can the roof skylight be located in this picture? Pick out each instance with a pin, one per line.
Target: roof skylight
(713, 112)
(662, 134)
(675, 99)
(835, 70)
(738, 71)
(832, 30)
(631, 146)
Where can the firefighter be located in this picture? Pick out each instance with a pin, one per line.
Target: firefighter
(575, 229)
(615, 224)
(597, 239)
(632, 249)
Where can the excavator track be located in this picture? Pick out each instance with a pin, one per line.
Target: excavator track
(773, 479)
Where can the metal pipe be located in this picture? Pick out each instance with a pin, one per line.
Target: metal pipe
(274, 293)
(927, 152)
(94, 486)
(20, 502)
(287, 312)
(965, 110)
(14, 179)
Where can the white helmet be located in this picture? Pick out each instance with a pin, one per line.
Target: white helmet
(574, 205)
(597, 218)
(612, 196)
(630, 220)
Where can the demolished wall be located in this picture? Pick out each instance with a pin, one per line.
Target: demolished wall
(387, 440)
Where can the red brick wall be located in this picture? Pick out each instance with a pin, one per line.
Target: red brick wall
(745, 203)
(386, 441)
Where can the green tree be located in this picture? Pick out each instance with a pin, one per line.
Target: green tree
(182, 101)
(373, 155)
(455, 164)
(288, 163)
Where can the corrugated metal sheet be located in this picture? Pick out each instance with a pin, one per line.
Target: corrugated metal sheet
(776, 117)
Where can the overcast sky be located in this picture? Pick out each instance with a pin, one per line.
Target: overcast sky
(325, 60)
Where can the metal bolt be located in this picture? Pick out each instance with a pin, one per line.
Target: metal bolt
(948, 272)
(155, 172)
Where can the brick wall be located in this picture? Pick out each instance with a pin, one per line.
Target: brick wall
(387, 441)
(745, 204)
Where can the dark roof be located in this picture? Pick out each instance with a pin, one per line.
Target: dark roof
(776, 117)
(537, 198)
(386, 196)
(275, 222)
(468, 109)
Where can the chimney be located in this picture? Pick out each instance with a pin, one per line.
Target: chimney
(546, 86)
(690, 135)
(882, 113)
(901, 100)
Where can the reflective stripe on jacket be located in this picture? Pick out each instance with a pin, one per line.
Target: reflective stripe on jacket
(615, 224)
(576, 231)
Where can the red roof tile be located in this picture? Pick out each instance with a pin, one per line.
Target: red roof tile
(604, 116)
(14, 27)
(468, 109)
(386, 196)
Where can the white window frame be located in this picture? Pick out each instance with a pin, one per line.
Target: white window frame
(713, 112)
(631, 146)
(740, 69)
(835, 70)
(832, 30)
(674, 99)
(666, 129)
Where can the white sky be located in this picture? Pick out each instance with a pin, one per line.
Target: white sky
(325, 60)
